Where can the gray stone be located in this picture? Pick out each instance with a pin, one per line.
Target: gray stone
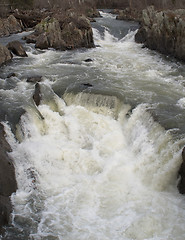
(163, 31)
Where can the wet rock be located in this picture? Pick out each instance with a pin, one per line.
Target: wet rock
(12, 75)
(34, 79)
(16, 48)
(88, 60)
(87, 85)
(163, 31)
(8, 183)
(9, 25)
(37, 94)
(181, 185)
(5, 55)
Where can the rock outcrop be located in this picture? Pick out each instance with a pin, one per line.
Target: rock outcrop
(129, 14)
(70, 33)
(9, 25)
(8, 183)
(163, 31)
(5, 55)
(16, 48)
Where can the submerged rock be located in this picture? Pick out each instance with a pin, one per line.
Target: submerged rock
(5, 55)
(163, 31)
(16, 48)
(8, 183)
(88, 60)
(87, 85)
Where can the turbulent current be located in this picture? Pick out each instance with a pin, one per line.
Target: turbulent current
(98, 159)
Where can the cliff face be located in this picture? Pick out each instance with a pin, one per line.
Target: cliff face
(163, 31)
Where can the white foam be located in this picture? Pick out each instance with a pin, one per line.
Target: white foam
(181, 103)
(96, 177)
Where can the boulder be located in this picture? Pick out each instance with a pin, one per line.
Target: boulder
(16, 48)
(88, 60)
(78, 33)
(163, 31)
(5, 55)
(9, 25)
(8, 183)
(37, 94)
(72, 32)
(48, 34)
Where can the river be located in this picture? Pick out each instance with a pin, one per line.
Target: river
(98, 158)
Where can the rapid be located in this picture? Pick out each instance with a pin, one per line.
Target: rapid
(98, 159)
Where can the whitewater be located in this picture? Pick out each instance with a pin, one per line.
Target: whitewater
(98, 159)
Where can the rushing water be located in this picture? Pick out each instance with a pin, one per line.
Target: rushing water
(98, 159)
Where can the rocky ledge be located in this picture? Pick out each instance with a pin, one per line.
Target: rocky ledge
(163, 31)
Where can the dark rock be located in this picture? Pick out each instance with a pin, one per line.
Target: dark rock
(141, 35)
(181, 185)
(163, 31)
(11, 75)
(5, 55)
(87, 85)
(16, 48)
(37, 94)
(9, 25)
(8, 183)
(34, 79)
(88, 60)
